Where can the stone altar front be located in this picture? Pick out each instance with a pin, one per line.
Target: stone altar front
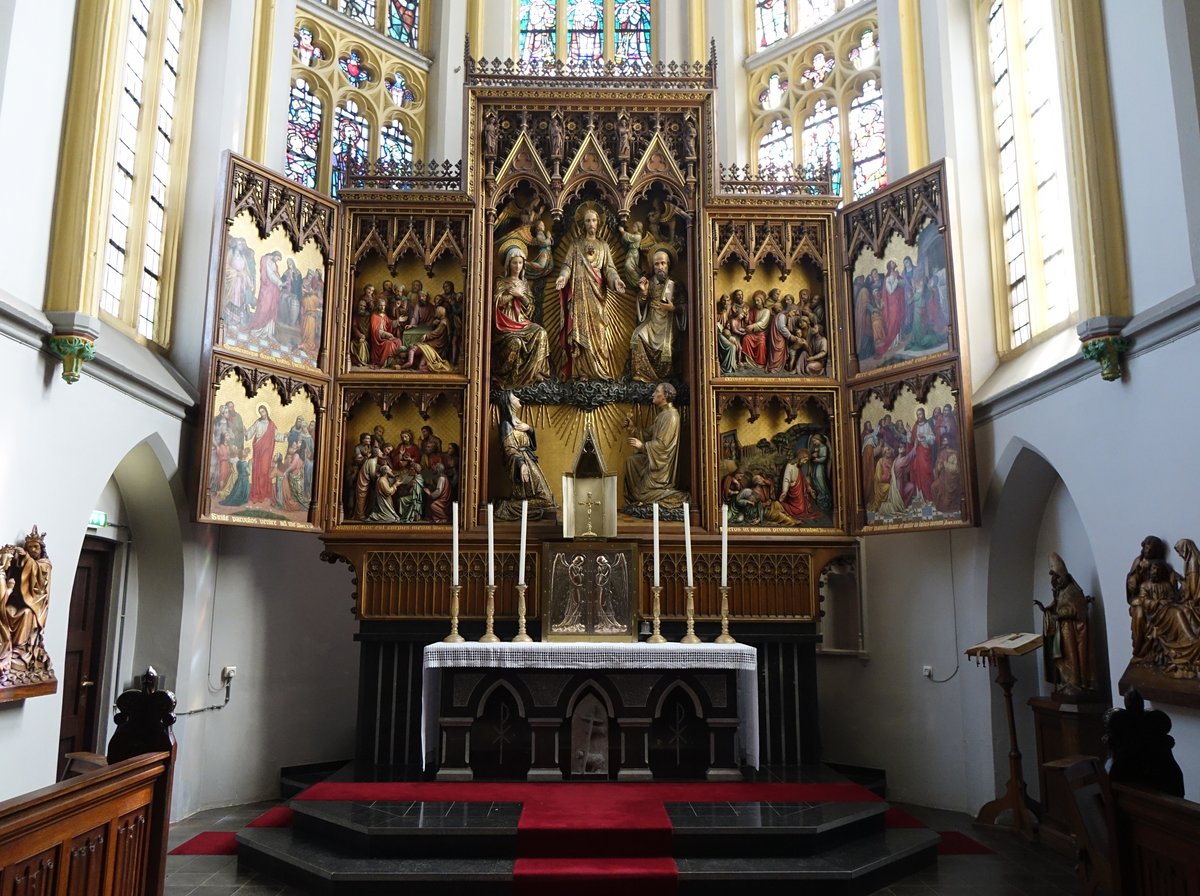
(668, 705)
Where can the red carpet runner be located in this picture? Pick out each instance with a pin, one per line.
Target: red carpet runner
(591, 838)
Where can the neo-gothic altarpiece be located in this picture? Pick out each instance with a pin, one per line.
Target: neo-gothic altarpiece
(448, 332)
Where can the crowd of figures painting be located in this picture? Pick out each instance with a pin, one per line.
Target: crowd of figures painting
(787, 481)
(915, 467)
(412, 478)
(259, 466)
(269, 306)
(774, 335)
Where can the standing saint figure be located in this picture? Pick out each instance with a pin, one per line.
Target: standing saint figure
(518, 441)
(520, 347)
(25, 611)
(587, 278)
(264, 436)
(1067, 652)
(660, 313)
(650, 471)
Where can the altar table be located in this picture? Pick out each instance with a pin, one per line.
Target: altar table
(721, 678)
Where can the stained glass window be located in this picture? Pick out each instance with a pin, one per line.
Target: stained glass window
(303, 134)
(395, 145)
(1034, 202)
(402, 21)
(867, 141)
(770, 22)
(537, 30)
(351, 139)
(305, 47)
(361, 11)
(810, 13)
(397, 88)
(772, 94)
(775, 150)
(585, 29)
(833, 103)
(821, 143)
(120, 203)
(353, 68)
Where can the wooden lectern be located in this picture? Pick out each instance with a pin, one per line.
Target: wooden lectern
(995, 652)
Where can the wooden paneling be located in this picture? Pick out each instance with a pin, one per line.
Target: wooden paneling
(87, 856)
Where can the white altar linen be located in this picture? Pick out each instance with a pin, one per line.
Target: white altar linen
(592, 655)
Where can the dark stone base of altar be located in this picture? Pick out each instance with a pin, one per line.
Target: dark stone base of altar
(372, 847)
(562, 724)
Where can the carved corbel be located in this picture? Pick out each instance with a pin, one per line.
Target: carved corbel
(73, 341)
(1103, 343)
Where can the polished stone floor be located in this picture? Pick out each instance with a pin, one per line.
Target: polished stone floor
(1016, 868)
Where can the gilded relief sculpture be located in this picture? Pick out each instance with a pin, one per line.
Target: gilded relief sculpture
(650, 471)
(520, 347)
(518, 441)
(25, 590)
(586, 279)
(1164, 616)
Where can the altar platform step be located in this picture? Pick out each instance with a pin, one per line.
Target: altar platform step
(367, 847)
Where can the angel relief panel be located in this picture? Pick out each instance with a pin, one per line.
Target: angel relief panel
(409, 312)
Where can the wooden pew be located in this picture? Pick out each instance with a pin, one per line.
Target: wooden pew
(103, 833)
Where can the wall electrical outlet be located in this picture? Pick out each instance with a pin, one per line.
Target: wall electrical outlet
(927, 671)
(228, 673)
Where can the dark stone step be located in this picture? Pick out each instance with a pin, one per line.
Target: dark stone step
(409, 828)
(323, 869)
(770, 829)
(859, 867)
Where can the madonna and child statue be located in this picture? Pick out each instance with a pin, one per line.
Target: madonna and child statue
(589, 322)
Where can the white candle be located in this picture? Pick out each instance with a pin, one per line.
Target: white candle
(524, 529)
(491, 548)
(454, 539)
(687, 542)
(656, 579)
(724, 545)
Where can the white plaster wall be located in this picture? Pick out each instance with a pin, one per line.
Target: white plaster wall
(30, 116)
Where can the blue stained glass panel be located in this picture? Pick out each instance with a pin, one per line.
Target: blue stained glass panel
(354, 70)
(776, 149)
(396, 146)
(632, 31)
(303, 134)
(402, 21)
(398, 89)
(351, 136)
(820, 144)
(361, 11)
(867, 142)
(585, 30)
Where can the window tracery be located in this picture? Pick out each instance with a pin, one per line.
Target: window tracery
(397, 20)
(828, 93)
(777, 20)
(350, 104)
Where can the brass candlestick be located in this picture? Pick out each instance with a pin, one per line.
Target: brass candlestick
(690, 637)
(454, 637)
(521, 635)
(725, 637)
(489, 636)
(657, 638)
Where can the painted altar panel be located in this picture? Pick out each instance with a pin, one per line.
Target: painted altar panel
(773, 315)
(779, 467)
(408, 285)
(915, 465)
(262, 448)
(899, 276)
(269, 329)
(400, 456)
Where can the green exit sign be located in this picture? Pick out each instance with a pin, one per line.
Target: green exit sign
(98, 519)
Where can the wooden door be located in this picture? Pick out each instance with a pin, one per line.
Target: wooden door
(83, 658)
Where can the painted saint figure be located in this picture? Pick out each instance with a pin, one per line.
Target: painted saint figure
(650, 471)
(585, 282)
